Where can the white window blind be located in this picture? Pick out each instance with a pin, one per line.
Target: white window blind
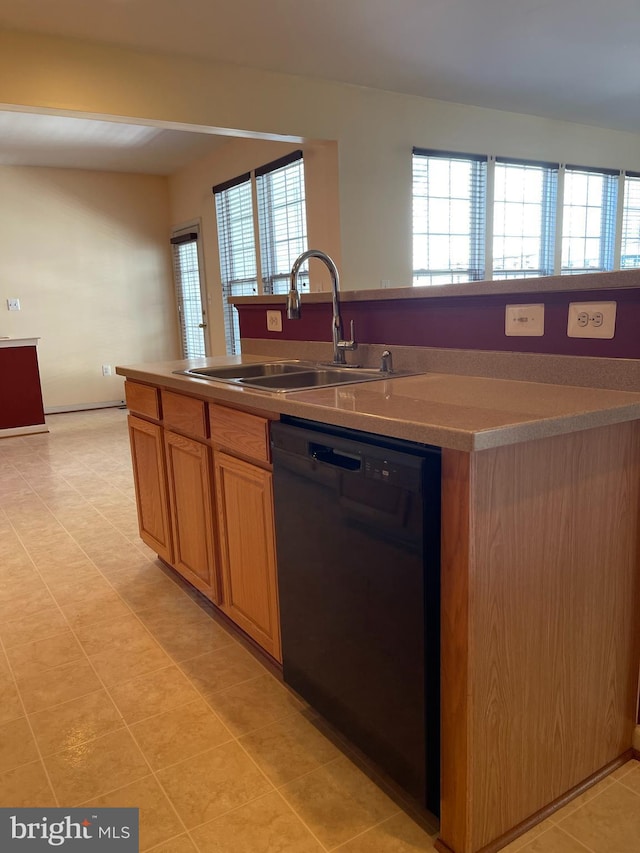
(237, 247)
(186, 276)
(630, 249)
(588, 220)
(449, 201)
(282, 221)
(524, 218)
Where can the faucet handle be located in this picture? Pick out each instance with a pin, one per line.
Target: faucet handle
(352, 344)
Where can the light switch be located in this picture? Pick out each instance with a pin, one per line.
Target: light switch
(274, 321)
(524, 320)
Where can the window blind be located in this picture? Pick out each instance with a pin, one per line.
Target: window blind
(186, 276)
(449, 201)
(630, 249)
(588, 219)
(237, 248)
(524, 218)
(282, 221)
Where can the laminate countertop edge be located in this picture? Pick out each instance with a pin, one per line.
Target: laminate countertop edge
(454, 411)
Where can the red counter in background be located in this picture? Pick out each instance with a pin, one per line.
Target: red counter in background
(21, 409)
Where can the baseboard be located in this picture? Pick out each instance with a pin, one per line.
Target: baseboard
(25, 430)
(82, 407)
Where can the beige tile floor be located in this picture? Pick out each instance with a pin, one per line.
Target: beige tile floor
(117, 687)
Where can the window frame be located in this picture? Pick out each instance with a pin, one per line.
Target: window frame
(189, 233)
(477, 215)
(552, 234)
(263, 283)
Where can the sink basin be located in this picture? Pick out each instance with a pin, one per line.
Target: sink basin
(282, 376)
(235, 372)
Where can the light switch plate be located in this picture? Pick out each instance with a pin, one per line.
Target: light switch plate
(591, 320)
(274, 321)
(524, 320)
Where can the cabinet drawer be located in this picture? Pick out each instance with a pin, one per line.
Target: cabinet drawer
(184, 414)
(142, 399)
(240, 432)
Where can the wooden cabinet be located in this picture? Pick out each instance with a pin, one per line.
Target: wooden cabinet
(147, 454)
(189, 475)
(245, 512)
(205, 504)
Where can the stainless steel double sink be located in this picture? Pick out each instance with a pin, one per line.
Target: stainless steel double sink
(291, 375)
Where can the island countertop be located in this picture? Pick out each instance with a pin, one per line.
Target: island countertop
(448, 410)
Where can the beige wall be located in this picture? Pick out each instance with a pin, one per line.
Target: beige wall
(192, 200)
(375, 130)
(87, 254)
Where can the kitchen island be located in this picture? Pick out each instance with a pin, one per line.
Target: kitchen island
(21, 409)
(539, 573)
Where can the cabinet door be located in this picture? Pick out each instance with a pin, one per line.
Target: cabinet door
(192, 514)
(147, 455)
(245, 508)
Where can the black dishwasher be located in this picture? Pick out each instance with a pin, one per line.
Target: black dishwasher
(358, 544)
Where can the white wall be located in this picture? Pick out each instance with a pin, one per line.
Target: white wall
(87, 254)
(192, 199)
(375, 130)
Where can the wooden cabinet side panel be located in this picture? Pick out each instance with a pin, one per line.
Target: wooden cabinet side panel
(454, 680)
(553, 627)
(147, 455)
(245, 506)
(192, 512)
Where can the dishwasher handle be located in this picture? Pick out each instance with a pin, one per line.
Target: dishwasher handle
(331, 456)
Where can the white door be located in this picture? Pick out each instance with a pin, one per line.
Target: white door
(192, 314)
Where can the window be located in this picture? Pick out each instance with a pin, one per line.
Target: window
(448, 217)
(192, 317)
(524, 218)
(260, 248)
(282, 221)
(630, 249)
(237, 248)
(463, 203)
(588, 220)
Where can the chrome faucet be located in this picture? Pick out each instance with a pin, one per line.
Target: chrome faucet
(293, 303)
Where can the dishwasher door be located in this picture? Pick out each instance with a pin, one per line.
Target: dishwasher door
(357, 538)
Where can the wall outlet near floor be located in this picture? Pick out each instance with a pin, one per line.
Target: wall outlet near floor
(524, 320)
(106, 370)
(13, 304)
(274, 321)
(591, 320)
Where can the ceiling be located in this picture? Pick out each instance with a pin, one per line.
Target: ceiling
(577, 60)
(32, 139)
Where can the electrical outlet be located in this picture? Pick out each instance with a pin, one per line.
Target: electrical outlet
(13, 304)
(591, 320)
(524, 320)
(106, 370)
(274, 321)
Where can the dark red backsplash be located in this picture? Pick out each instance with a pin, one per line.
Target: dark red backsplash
(460, 322)
(20, 392)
